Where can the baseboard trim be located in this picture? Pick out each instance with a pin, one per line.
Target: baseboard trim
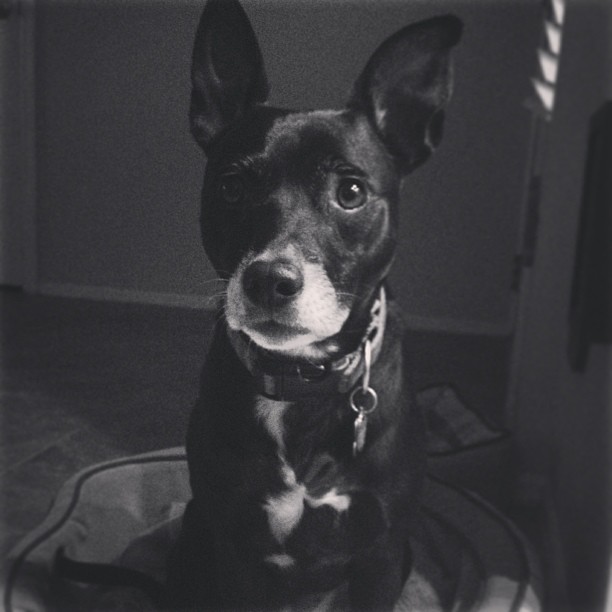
(113, 294)
(457, 326)
(201, 302)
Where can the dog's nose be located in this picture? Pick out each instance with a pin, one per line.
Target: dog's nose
(272, 283)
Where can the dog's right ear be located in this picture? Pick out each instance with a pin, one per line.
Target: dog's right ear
(227, 73)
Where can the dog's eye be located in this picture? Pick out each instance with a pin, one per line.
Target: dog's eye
(351, 193)
(232, 189)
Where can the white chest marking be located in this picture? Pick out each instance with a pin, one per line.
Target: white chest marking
(282, 560)
(339, 502)
(271, 413)
(285, 511)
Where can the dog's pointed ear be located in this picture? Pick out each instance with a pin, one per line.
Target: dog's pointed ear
(405, 86)
(227, 72)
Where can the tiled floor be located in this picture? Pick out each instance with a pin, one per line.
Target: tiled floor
(83, 382)
(87, 381)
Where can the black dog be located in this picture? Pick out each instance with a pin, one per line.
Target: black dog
(305, 449)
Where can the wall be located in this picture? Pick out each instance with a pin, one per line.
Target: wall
(11, 235)
(119, 177)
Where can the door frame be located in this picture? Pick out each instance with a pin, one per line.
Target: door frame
(20, 26)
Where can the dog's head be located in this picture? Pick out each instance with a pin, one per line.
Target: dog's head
(299, 209)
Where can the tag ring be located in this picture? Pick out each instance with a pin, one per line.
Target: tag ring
(359, 406)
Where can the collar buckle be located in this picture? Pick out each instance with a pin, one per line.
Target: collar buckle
(312, 372)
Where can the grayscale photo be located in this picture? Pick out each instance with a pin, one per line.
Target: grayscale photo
(306, 305)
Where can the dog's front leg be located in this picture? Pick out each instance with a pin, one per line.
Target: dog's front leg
(376, 579)
(191, 580)
(210, 570)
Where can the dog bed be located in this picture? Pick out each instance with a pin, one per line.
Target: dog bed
(467, 555)
(127, 512)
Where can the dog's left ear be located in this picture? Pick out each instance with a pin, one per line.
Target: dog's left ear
(405, 86)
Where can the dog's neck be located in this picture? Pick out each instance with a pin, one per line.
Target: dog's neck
(283, 378)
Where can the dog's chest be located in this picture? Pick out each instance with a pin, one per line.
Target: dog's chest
(323, 485)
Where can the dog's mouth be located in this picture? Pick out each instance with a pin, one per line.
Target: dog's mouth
(276, 331)
(271, 335)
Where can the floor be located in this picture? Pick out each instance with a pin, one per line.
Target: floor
(85, 381)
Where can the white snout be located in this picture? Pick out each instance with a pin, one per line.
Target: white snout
(312, 315)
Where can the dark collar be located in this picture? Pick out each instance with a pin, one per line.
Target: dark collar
(284, 379)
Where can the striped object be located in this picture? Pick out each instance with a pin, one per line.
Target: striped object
(549, 53)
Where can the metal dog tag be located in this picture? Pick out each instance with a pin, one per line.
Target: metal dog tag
(363, 402)
(361, 425)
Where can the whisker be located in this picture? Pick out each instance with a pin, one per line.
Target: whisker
(215, 280)
(215, 298)
(218, 317)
